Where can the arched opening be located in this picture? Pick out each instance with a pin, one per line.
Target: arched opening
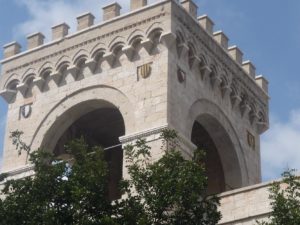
(222, 167)
(213, 165)
(99, 124)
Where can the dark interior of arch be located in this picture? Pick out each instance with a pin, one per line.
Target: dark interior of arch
(101, 127)
(213, 165)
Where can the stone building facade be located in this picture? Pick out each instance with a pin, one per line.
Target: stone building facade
(158, 66)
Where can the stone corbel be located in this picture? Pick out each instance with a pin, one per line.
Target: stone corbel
(129, 51)
(56, 77)
(194, 62)
(183, 51)
(39, 82)
(110, 57)
(215, 82)
(235, 101)
(225, 91)
(22, 87)
(262, 127)
(148, 45)
(168, 39)
(8, 95)
(253, 117)
(205, 71)
(245, 109)
(74, 71)
(91, 64)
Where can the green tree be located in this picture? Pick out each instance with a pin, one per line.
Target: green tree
(285, 201)
(170, 190)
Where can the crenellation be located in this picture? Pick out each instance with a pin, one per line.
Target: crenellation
(221, 38)
(190, 6)
(137, 4)
(262, 82)
(111, 11)
(35, 40)
(249, 68)
(60, 31)
(236, 54)
(206, 23)
(85, 20)
(11, 49)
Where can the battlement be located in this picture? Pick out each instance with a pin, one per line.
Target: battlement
(85, 22)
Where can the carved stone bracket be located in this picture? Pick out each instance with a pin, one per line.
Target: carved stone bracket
(110, 57)
(168, 39)
(129, 51)
(56, 77)
(22, 87)
(39, 82)
(194, 62)
(74, 71)
(262, 127)
(215, 82)
(205, 71)
(235, 101)
(245, 109)
(183, 51)
(225, 91)
(8, 95)
(148, 45)
(91, 64)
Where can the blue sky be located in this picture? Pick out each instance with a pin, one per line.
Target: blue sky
(268, 33)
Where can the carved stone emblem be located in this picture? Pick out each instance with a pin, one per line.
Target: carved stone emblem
(251, 140)
(144, 71)
(26, 110)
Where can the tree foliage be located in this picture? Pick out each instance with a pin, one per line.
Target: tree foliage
(285, 201)
(170, 190)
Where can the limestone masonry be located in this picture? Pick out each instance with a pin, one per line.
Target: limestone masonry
(128, 77)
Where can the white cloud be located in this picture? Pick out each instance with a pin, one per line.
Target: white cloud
(43, 14)
(280, 146)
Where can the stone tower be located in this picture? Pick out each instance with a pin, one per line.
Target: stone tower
(158, 66)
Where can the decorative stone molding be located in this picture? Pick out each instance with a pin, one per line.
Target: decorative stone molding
(143, 134)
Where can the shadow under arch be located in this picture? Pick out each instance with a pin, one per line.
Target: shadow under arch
(100, 123)
(212, 131)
